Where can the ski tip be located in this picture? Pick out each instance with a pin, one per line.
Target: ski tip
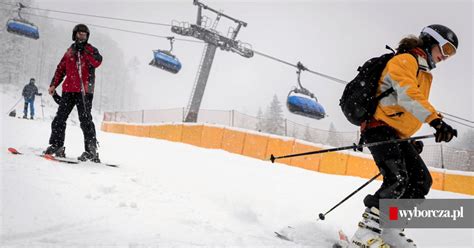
(13, 150)
(342, 236)
(281, 236)
(343, 241)
(48, 156)
(110, 165)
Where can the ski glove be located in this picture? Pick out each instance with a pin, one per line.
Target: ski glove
(418, 144)
(444, 132)
(79, 46)
(56, 97)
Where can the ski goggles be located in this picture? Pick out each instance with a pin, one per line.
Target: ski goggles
(447, 48)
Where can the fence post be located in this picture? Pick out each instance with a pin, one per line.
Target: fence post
(286, 127)
(442, 156)
(183, 115)
(232, 118)
(143, 116)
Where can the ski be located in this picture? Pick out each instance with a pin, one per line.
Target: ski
(14, 151)
(59, 159)
(343, 241)
(281, 236)
(297, 235)
(47, 156)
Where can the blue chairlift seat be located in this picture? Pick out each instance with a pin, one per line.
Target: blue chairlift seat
(305, 106)
(23, 28)
(166, 61)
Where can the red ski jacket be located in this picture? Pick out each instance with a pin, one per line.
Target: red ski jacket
(68, 67)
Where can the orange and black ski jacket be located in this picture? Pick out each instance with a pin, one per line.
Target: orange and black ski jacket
(407, 108)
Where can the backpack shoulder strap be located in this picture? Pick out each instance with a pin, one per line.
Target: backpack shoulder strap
(417, 62)
(385, 93)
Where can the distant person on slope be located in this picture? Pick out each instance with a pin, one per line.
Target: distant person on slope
(78, 66)
(29, 92)
(400, 115)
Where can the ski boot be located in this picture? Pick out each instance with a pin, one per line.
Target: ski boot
(85, 156)
(56, 151)
(396, 238)
(368, 235)
(91, 154)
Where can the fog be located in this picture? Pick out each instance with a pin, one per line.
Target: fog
(330, 37)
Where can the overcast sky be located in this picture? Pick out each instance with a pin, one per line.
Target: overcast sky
(330, 37)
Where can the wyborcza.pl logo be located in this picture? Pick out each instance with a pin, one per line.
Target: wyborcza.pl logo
(427, 213)
(409, 214)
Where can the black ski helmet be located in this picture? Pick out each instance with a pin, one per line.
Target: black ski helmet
(445, 32)
(80, 28)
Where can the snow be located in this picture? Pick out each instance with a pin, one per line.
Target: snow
(453, 172)
(168, 194)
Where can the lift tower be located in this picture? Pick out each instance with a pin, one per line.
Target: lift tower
(213, 39)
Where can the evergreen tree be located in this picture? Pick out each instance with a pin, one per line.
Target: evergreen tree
(334, 138)
(24, 58)
(12, 52)
(261, 121)
(466, 141)
(307, 133)
(275, 123)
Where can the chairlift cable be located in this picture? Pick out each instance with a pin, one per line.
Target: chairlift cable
(466, 120)
(188, 40)
(96, 16)
(308, 70)
(112, 28)
(460, 123)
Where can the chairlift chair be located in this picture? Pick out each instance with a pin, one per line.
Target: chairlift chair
(166, 60)
(303, 102)
(21, 26)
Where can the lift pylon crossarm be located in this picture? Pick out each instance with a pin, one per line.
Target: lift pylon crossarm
(214, 38)
(201, 5)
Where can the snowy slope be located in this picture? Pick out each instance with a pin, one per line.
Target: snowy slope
(169, 194)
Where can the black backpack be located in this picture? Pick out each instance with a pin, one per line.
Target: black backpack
(359, 100)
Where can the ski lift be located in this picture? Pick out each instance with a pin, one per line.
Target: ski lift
(21, 26)
(166, 60)
(301, 101)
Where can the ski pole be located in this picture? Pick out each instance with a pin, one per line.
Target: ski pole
(323, 216)
(42, 106)
(15, 104)
(79, 70)
(354, 147)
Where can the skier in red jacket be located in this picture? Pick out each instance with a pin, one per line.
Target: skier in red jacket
(78, 66)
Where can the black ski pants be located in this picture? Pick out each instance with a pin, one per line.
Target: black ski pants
(69, 100)
(405, 175)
